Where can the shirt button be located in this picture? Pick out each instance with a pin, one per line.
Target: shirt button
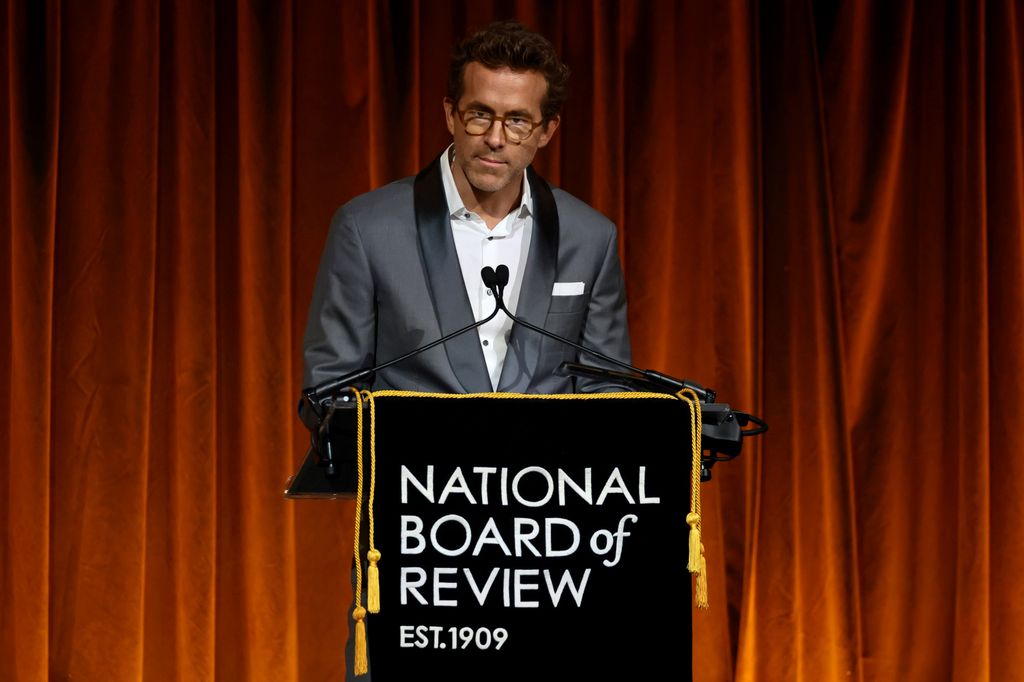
(485, 342)
(489, 292)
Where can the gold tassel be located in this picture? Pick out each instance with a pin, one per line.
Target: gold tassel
(702, 582)
(693, 561)
(361, 664)
(373, 582)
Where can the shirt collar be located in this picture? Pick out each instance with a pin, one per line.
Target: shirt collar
(457, 208)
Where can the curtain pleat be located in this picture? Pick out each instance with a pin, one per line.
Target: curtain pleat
(821, 214)
(1004, 289)
(30, 115)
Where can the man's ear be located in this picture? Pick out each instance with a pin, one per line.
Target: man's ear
(547, 131)
(449, 114)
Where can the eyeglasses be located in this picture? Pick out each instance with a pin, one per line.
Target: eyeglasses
(517, 128)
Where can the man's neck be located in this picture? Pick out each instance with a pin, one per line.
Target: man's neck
(492, 207)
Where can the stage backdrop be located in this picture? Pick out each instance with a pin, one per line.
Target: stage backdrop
(821, 210)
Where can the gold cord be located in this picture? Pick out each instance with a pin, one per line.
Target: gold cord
(696, 563)
(360, 665)
(373, 555)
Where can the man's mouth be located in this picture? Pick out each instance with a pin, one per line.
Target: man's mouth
(491, 162)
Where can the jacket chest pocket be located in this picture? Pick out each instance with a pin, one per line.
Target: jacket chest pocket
(561, 305)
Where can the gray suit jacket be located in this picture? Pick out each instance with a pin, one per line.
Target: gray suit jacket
(389, 281)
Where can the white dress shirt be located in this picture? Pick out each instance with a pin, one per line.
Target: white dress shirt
(478, 247)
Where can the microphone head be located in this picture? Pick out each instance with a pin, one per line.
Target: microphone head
(502, 275)
(489, 277)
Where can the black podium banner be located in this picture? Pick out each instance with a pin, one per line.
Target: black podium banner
(529, 537)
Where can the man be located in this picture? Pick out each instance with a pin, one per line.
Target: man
(402, 264)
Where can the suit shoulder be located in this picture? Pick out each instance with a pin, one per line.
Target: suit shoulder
(381, 202)
(575, 213)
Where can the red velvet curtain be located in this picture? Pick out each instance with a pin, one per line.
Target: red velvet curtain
(822, 215)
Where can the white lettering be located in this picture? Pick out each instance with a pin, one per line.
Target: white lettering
(456, 484)
(405, 636)
(615, 484)
(484, 472)
(409, 587)
(586, 492)
(427, 491)
(643, 489)
(440, 522)
(522, 586)
(481, 594)
(412, 529)
(523, 539)
(490, 536)
(547, 479)
(441, 585)
(549, 549)
(566, 581)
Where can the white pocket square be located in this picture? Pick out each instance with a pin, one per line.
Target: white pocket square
(567, 289)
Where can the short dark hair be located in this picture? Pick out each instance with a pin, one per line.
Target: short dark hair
(509, 44)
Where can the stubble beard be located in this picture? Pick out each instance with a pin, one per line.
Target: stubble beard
(488, 182)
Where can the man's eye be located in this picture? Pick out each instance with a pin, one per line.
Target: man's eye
(519, 125)
(478, 115)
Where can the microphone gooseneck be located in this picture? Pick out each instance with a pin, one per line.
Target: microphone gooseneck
(314, 395)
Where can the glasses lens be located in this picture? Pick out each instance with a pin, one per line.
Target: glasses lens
(477, 122)
(518, 128)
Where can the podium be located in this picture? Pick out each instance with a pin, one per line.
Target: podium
(521, 537)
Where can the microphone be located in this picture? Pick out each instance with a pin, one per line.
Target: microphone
(502, 279)
(495, 280)
(489, 277)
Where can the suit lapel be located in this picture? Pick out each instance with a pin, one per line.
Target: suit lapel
(444, 276)
(535, 293)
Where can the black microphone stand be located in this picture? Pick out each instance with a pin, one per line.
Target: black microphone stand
(722, 429)
(495, 280)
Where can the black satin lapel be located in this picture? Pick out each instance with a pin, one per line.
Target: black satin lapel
(444, 275)
(535, 294)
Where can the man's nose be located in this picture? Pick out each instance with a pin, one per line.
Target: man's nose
(495, 135)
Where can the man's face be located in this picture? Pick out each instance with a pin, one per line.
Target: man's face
(490, 161)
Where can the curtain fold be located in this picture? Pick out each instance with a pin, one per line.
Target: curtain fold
(821, 214)
(30, 93)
